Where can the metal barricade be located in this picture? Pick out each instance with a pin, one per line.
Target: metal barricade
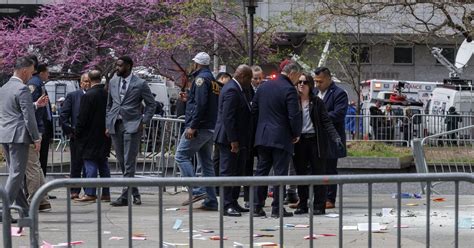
(6, 219)
(391, 129)
(157, 148)
(342, 180)
(425, 125)
(446, 152)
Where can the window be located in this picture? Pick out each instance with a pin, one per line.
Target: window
(403, 55)
(448, 53)
(363, 54)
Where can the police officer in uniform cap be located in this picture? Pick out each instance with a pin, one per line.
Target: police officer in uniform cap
(201, 115)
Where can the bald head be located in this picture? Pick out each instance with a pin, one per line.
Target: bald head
(95, 76)
(243, 74)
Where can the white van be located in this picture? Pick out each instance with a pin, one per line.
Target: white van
(460, 96)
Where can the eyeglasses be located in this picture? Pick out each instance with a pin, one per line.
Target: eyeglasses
(306, 82)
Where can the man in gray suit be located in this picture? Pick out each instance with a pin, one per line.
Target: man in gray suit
(125, 120)
(18, 128)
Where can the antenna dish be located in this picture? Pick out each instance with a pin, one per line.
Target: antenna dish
(465, 52)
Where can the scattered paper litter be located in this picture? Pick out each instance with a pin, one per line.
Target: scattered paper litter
(115, 238)
(199, 237)
(332, 215)
(310, 237)
(409, 213)
(177, 224)
(139, 234)
(289, 225)
(107, 232)
(439, 199)
(412, 204)
(265, 244)
(326, 235)
(72, 243)
(17, 232)
(171, 209)
(387, 212)
(138, 238)
(174, 245)
(258, 235)
(238, 245)
(349, 228)
(217, 238)
(268, 229)
(401, 226)
(206, 231)
(302, 226)
(364, 227)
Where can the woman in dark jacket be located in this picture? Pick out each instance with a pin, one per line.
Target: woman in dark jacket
(311, 150)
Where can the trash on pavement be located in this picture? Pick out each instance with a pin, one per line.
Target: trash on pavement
(401, 226)
(349, 228)
(199, 237)
(412, 204)
(171, 209)
(407, 195)
(259, 235)
(439, 199)
(174, 245)
(107, 232)
(466, 223)
(217, 238)
(289, 225)
(364, 227)
(332, 215)
(177, 224)
(268, 229)
(116, 238)
(206, 231)
(408, 213)
(387, 212)
(302, 226)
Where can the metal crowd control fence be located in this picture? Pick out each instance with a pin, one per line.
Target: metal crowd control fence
(156, 157)
(161, 183)
(6, 219)
(401, 130)
(446, 152)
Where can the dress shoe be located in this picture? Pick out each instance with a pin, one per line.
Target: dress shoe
(45, 207)
(195, 198)
(137, 200)
(105, 198)
(74, 196)
(330, 205)
(301, 210)
(241, 209)
(119, 203)
(291, 198)
(259, 212)
(208, 208)
(87, 198)
(319, 211)
(232, 212)
(276, 213)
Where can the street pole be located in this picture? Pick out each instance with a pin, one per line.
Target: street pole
(251, 11)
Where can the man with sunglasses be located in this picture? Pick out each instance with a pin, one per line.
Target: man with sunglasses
(336, 101)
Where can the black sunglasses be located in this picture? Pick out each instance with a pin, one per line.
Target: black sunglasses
(306, 82)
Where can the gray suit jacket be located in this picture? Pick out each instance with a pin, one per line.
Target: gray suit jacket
(17, 114)
(130, 108)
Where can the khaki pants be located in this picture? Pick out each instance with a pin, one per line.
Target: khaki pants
(34, 175)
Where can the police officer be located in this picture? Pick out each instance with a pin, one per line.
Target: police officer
(201, 115)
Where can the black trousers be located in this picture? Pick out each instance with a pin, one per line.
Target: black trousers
(231, 165)
(44, 151)
(331, 169)
(268, 158)
(77, 164)
(308, 162)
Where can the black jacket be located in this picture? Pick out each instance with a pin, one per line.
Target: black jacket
(323, 126)
(90, 128)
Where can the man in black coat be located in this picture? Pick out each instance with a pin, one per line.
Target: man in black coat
(94, 145)
(232, 134)
(279, 124)
(68, 118)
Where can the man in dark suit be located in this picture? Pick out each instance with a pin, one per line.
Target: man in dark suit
(18, 129)
(93, 143)
(126, 119)
(279, 125)
(232, 134)
(68, 118)
(336, 102)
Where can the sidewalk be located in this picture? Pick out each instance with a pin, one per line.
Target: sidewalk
(145, 221)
